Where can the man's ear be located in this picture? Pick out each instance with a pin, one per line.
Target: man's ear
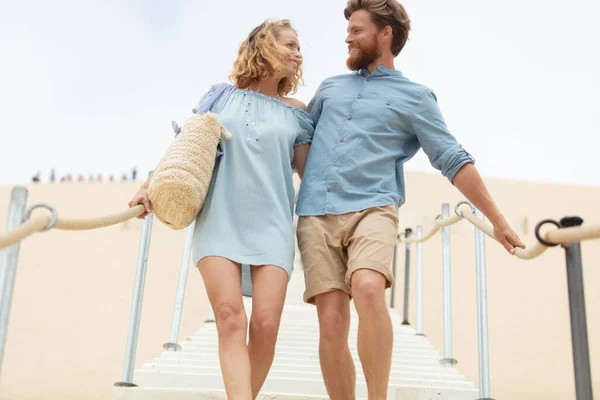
(388, 31)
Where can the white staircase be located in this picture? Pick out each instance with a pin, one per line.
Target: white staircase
(193, 372)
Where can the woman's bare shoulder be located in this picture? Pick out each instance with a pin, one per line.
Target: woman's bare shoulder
(290, 101)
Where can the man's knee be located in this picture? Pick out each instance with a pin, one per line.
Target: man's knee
(368, 289)
(334, 315)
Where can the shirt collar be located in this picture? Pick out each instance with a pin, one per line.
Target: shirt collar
(380, 71)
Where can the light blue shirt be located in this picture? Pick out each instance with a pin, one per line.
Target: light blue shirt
(366, 127)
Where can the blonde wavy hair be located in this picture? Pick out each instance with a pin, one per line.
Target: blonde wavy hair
(259, 57)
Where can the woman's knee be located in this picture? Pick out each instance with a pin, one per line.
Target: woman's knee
(230, 319)
(264, 327)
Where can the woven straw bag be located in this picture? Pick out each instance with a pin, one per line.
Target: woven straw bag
(180, 183)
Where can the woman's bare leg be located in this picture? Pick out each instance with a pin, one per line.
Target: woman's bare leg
(222, 279)
(269, 286)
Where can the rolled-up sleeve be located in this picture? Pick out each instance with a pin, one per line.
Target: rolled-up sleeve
(444, 152)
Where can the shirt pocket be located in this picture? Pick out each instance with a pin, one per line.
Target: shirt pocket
(393, 117)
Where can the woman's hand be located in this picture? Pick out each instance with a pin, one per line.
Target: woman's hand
(141, 197)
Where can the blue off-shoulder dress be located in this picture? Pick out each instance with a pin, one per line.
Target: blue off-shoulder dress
(248, 212)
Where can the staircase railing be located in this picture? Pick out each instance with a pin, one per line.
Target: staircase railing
(569, 233)
(21, 224)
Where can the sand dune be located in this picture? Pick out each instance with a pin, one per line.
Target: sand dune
(73, 291)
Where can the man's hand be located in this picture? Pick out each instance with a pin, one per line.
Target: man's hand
(507, 237)
(469, 182)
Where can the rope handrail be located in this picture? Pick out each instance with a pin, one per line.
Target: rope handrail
(553, 236)
(21, 225)
(569, 232)
(41, 222)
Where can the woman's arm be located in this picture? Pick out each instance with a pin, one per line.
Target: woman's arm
(300, 156)
(141, 197)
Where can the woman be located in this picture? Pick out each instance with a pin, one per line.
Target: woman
(248, 212)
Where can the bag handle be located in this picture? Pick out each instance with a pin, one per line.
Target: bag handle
(217, 98)
(219, 95)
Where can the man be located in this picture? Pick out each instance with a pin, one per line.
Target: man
(368, 124)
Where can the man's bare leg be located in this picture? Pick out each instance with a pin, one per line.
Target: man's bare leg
(375, 333)
(337, 365)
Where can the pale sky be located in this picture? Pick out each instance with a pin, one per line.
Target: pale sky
(92, 86)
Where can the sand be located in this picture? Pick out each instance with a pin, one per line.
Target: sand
(73, 292)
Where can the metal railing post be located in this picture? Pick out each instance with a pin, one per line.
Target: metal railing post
(8, 263)
(173, 345)
(447, 361)
(419, 326)
(136, 304)
(211, 315)
(393, 290)
(579, 336)
(482, 312)
(407, 234)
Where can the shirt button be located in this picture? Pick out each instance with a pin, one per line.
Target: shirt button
(358, 97)
(329, 190)
(349, 117)
(388, 102)
(368, 79)
(342, 140)
(334, 164)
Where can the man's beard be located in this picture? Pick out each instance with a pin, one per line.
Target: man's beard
(364, 55)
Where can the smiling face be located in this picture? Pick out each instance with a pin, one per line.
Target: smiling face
(363, 41)
(287, 41)
(271, 51)
(376, 28)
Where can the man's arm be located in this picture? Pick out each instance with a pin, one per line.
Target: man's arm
(470, 184)
(315, 106)
(456, 164)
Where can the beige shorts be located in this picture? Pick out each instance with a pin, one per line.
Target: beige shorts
(333, 247)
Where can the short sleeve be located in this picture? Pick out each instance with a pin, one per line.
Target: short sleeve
(305, 128)
(196, 110)
(203, 99)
